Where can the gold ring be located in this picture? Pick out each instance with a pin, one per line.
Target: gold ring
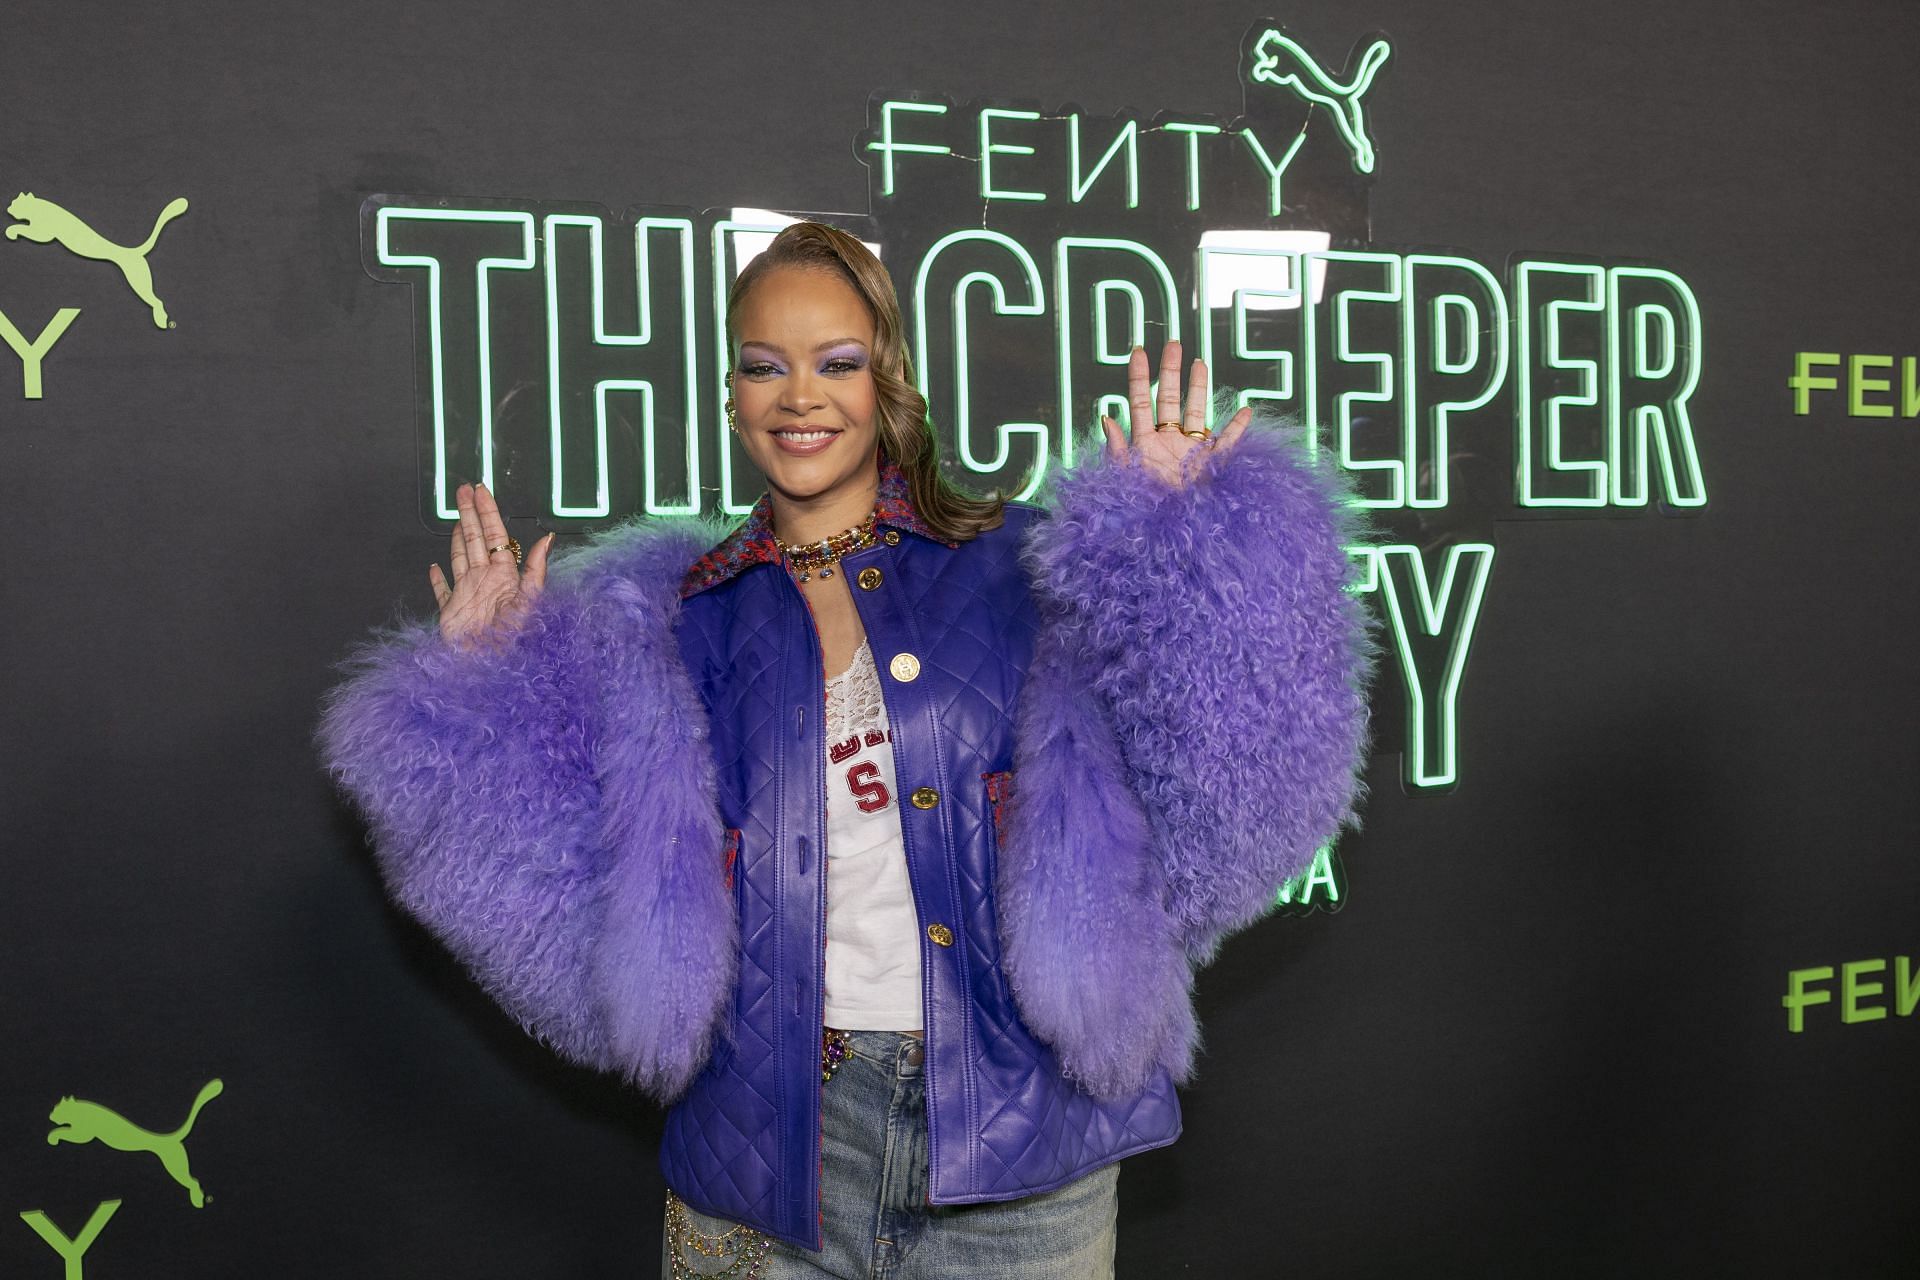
(1204, 433)
(511, 544)
(1170, 422)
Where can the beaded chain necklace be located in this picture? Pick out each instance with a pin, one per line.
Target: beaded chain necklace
(824, 554)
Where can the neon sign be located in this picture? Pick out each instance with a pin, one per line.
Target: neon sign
(574, 360)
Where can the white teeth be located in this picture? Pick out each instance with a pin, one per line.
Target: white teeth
(804, 435)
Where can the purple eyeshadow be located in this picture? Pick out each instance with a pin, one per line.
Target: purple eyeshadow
(750, 355)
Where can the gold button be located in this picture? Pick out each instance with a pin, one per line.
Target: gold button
(940, 934)
(925, 797)
(904, 667)
(869, 578)
(892, 537)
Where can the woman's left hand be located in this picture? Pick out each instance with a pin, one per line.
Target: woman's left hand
(1162, 449)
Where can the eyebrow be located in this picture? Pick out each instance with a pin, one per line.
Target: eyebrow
(825, 346)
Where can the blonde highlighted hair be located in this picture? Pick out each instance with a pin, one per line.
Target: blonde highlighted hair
(906, 434)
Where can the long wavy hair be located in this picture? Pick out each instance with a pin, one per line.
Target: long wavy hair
(906, 434)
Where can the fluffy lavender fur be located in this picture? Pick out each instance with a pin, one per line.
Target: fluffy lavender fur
(1191, 730)
(1085, 943)
(1216, 626)
(547, 807)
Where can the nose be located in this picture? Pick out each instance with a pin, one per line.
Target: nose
(800, 391)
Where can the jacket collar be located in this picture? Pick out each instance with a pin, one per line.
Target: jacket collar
(753, 542)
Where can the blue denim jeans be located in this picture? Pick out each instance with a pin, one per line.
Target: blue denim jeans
(879, 1225)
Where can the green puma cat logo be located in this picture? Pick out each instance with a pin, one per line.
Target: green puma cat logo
(43, 222)
(81, 1121)
(1281, 61)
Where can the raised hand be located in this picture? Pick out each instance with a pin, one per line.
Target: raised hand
(1158, 434)
(490, 595)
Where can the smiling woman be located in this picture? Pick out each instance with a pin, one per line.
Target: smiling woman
(882, 837)
(823, 346)
(803, 404)
(820, 377)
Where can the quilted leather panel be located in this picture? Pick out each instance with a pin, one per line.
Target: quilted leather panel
(1002, 1121)
(749, 1123)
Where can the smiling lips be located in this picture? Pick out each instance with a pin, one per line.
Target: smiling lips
(806, 440)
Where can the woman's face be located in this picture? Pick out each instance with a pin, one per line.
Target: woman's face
(803, 383)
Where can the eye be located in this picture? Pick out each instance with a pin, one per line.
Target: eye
(759, 369)
(844, 365)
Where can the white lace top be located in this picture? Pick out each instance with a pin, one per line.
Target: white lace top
(873, 930)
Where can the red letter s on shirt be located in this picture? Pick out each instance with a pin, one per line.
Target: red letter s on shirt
(869, 792)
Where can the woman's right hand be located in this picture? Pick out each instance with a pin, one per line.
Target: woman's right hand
(490, 595)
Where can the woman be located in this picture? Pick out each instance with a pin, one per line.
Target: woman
(881, 837)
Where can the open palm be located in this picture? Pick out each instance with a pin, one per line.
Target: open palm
(1158, 427)
(490, 595)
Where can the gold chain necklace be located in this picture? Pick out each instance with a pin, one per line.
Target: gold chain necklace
(824, 554)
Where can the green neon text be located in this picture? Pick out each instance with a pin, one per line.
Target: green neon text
(1127, 140)
(989, 148)
(1431, 624)
(1607, 360)
(1014, 289)
(888, 147)
(642, 350)
(459, 286)
(1321, 887)
(1390, 359)
(1054, 153)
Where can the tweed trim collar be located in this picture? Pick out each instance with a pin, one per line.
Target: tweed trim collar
(753, 542)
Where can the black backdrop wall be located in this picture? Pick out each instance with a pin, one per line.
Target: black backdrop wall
(1542, 1033)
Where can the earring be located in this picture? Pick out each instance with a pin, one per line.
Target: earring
(732, 425)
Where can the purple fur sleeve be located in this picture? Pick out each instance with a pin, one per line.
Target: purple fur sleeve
(501, 787)
(1087, 949)
(1217, 623)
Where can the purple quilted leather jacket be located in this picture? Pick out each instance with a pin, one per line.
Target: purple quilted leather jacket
(1121, 720)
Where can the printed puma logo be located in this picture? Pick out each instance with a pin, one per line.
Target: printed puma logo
(44, 222)
(1280, 61)
(81, 1122)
